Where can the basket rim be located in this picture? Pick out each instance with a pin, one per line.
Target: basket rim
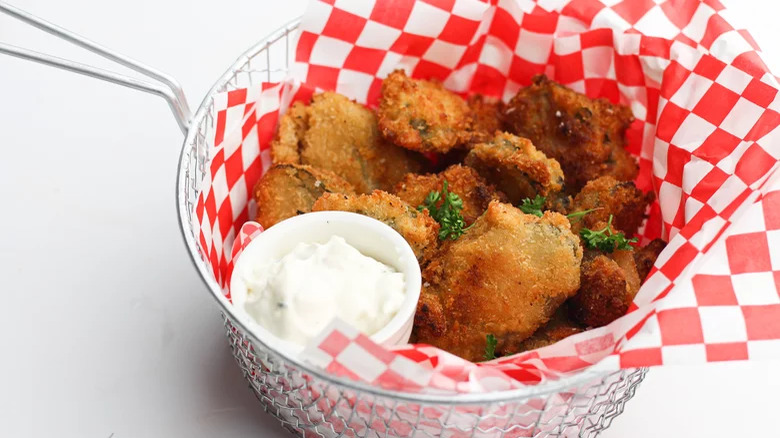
(541, 389)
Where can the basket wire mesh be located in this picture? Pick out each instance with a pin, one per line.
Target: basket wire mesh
(310, 403)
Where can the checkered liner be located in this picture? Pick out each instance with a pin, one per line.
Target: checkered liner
(706, 136)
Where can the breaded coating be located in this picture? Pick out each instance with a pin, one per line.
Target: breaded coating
(587, 136)
(419, 229)
(485, 117)
(609, 283)
(516, 167)
(286, 146)
(287, 190)
(505, 276)
(559, 327)
(422, 115)
(621, 165)
(464, 181)
(645, 257)
(608, 196)
(337, 134)
(559, 203)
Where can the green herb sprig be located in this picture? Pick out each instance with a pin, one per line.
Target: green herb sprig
(452, 224)
(536, 207)
(578, 215)
(605, 240)
(533, 206)
(490, 347)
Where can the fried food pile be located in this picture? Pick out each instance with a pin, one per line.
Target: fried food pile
(521, 215)
(506, 276)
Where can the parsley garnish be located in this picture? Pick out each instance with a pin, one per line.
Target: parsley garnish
(490, 347)
(605, 240)
(448, 214)
(580, 214)
(533, 206)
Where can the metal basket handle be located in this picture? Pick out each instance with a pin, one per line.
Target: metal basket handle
(165, 86)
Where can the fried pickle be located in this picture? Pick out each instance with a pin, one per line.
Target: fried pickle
(287, 190)
(485, 117)
(464, 181)
(559, 327)
(516, 167)
(607, 196)
(339, 135)
(645, 257)
(608, 285)
(417, 227)
(286, 146)
(422, 115)
(505, 276)
(587, 136)
(559, 203)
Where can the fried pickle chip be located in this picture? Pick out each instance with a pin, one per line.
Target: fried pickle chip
(464, 181)
(339, 135)
(287, 190)
(587, 136)
(621, 165)
(286, 146)
(645, 257)
(560, 327)
(422, 115)
(559, 203)
(505, 276)
(609, 283)
(516, 167)
(485, 117)
(417, 227)
(607, 196)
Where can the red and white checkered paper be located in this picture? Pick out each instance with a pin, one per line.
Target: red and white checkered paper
(706, 136)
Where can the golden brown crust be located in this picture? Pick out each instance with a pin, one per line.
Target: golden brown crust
(389, 164)
(587, 136)
(286, 146)
(505, 276)
(336, 134)
(464, 181)
(421, 115)
(418, 228)
(608, 196)
(287, 190)
(485, 117)
(559, 203)
(645, 257)
(516, 167)
(621, 165)
(560, 327)
(430, 317)
(609, 283)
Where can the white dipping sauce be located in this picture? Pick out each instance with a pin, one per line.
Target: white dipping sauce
(297, 296)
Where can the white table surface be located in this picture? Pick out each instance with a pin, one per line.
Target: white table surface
(105, 327)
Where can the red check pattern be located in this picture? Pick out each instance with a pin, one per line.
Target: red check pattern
(706, 136)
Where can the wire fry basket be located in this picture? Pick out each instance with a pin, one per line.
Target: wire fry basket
(312, 404)
(306, 400)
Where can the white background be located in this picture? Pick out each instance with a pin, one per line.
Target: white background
(105, 327)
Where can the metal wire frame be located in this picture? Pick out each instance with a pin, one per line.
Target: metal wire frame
(311, 403)
(161, 84)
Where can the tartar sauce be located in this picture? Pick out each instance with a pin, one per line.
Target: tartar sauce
(296, 296)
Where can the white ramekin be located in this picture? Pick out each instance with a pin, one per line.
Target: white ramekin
(369, 236)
